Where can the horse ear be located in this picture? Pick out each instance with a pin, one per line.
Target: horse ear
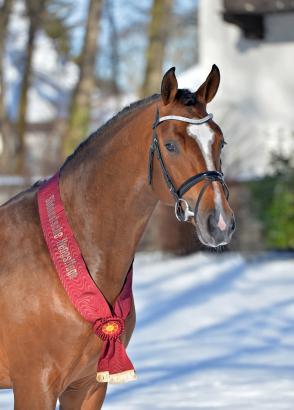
(208, 89)
(169, 86)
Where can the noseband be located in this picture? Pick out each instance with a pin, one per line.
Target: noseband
(182, 209)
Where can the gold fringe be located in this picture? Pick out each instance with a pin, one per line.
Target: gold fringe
(117, 378)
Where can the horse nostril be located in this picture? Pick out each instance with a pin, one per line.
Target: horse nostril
(211, 224)
(232, 225)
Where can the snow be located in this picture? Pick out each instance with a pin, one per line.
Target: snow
(17, 180)
(213, 332)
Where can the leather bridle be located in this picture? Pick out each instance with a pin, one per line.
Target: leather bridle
(182, 209)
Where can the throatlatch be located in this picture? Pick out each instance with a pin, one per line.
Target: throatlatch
(182, 209)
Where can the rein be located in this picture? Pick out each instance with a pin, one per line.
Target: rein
(182, 208)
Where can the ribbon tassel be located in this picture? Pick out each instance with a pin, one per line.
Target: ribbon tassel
(117, 378)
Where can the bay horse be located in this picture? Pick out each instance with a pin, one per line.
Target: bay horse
(109, 187)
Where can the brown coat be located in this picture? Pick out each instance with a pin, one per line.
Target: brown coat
(47, 350)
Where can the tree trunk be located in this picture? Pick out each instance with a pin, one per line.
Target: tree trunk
(80, 110)
(23, 101)
(114, 55)
(7, 139)
(35, 9)
(158, 36)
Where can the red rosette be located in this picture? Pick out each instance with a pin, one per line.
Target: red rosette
(109, 328)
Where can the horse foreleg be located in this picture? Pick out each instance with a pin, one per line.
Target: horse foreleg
(85, 395)
(33, 396)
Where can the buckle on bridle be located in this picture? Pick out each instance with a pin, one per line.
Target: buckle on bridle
(182, 210)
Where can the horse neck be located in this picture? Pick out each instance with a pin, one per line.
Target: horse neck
(107, 198)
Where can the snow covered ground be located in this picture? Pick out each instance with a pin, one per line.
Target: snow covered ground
(213, 332)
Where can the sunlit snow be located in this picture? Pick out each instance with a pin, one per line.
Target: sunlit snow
(213, 332)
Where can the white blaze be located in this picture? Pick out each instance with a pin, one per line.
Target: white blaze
(221, 223)
(204, 137)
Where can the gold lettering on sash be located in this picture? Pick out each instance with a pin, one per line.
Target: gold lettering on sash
(61, 241)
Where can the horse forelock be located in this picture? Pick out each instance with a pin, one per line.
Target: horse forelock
(186, 97)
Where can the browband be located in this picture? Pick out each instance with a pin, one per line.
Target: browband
(186, 119)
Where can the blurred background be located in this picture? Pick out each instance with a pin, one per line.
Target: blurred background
(67, 66)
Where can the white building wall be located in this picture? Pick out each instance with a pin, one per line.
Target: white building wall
(255, 102)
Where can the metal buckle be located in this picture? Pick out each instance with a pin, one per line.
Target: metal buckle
(183, 214)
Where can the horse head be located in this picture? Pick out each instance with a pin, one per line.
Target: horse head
(185, 159)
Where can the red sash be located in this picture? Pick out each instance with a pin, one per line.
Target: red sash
(114, 366)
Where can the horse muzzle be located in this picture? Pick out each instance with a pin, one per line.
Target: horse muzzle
(216, 229)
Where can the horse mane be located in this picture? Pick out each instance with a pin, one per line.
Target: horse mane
(185, 96)
(110, 124)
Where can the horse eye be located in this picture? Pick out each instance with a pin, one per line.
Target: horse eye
(170, 147)
(223, 143)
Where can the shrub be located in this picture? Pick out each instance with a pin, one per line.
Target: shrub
(273, 201)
